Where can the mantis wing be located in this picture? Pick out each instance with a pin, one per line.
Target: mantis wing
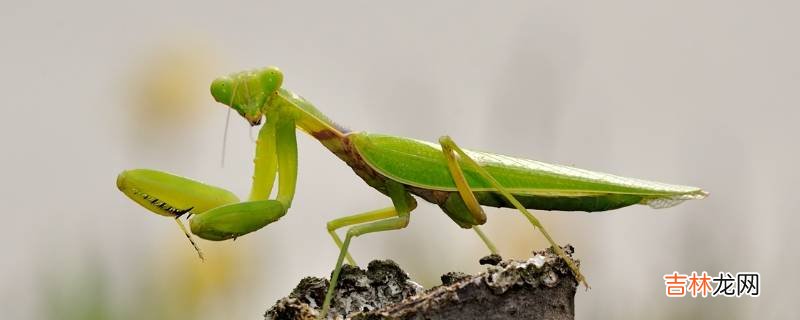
(422, 164)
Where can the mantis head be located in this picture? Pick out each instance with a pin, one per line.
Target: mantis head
(248, 92)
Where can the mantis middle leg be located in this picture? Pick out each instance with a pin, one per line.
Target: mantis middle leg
(403, 204)
(450, 148)
(357, 219)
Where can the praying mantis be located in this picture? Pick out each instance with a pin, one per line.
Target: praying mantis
(458, 180)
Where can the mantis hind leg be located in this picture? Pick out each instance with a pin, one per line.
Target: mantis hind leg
(466, 198)
(403, 204)
(448, 146)
(489, 244)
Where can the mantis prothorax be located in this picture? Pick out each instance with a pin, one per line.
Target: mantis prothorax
(459, 181)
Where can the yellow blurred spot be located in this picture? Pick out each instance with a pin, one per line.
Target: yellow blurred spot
(169, 85)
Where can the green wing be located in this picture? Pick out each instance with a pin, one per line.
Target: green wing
(422, 164)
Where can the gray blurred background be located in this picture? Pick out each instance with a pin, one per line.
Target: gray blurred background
(692, 92)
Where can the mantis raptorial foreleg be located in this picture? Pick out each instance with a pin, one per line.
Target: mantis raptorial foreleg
(448, 146)
(276, 152)
(286, 146)
(403, 204)
(265, 161)
(357, 219)
(235, 220)
(217, 213)
(173, 196)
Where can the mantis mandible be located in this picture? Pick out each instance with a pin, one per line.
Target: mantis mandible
(459, 181)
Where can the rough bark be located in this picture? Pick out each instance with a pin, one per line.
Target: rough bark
(541, 287)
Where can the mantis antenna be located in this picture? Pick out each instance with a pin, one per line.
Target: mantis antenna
(225, 139)
(227, 123)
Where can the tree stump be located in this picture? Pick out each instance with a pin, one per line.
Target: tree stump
(542, 287)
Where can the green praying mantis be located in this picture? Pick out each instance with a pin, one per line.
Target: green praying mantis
(459, 181)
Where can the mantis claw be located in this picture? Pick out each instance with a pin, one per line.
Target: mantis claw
(189, 236)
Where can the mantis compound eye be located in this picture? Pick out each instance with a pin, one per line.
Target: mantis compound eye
(222, 89)
(248, 92)
(271, 79)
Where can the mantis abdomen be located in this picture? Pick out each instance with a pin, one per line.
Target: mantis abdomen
(537, 185)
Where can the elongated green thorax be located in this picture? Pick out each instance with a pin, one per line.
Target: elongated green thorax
(309, 119)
